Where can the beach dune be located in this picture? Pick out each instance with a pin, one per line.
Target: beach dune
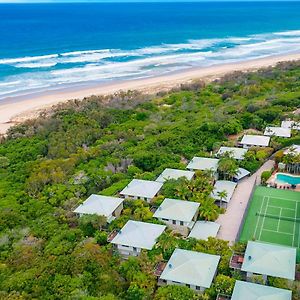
(14, 110)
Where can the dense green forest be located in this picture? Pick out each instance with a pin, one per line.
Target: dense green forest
(50, 165)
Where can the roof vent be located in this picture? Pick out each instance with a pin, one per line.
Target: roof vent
(170, 266)
(120, 231)
(249, 257)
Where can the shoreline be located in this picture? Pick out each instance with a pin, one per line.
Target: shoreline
(14, 110)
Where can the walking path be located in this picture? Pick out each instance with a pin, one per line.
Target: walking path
(230, 221)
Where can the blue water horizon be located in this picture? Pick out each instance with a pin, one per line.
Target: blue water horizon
(44, 46)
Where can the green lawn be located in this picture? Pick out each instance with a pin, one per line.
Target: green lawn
(274, 216)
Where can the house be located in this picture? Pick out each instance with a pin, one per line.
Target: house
(221, 186)
(204, 164)
(241, 173)
(168, 174)
(269, 260)
(249, 141)
(291, 124)
(195, 270)
(141, 189)
(278, 131)
(109, 207)
(236, 153)
(135, 236)
(252, 291)
(202, 230)
(178, 214)
(294, 150)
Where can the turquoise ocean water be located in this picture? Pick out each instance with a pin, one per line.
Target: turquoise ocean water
(49, 46)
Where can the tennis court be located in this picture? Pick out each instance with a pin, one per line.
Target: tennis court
(274, 216)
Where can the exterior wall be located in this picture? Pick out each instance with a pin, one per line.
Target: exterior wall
(137, 198)
(249, 276)
(118, 210)
(195, 288)
(128, 251)
(182, 228)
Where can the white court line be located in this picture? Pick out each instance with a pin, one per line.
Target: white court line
(295, 224)
(263, 200)
(282, 207)
(262, 226)
(299, 228)
(279, 219)
(278, 231)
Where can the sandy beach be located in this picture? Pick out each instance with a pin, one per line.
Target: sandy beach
(17, 109)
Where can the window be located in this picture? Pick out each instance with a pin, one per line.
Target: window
(174, 222)
(165, 219)
(181, 223)
(188, 285)
(197, 288)
(145, 199)
(125, 246)
(134, 249)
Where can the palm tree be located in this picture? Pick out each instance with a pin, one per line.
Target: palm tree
(222, 195)
(208, 210)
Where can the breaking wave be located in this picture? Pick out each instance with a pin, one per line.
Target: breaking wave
(103, 65)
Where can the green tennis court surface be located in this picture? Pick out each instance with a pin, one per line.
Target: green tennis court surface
(274, 216)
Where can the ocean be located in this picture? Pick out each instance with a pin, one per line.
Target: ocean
(50, 46)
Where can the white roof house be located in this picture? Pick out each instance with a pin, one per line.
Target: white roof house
(224, 185)
(241, 174)
(202, 230)
(138, 234)
(203, 163)
(99, 205)
(294, 149)
(291, 124)
(168, 174)
(191, 267)
(180, 210)
(237, 153)
(142, 188)
(255, 140)
(277, 131)
(270, 259)
(252, 291)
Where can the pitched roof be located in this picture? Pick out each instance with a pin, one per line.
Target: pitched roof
(138, 234)
(142, 188)
(241, 173)
(277, 131)
(203, 163)
(253, 291)
(291, 124)
(294, 149)
(100, 205)
(237, 153)
(191, 267)
(224, 185)
(174, 174)
(255, 140)
(179, 210)
(202, 230)
(270, 259)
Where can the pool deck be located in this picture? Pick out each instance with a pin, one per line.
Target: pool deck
(286, 186)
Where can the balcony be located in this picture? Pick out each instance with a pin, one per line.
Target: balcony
(236, 261)
(112, 235)
(223, 297)
(159, 267)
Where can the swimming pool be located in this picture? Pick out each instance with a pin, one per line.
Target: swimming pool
(285, 178)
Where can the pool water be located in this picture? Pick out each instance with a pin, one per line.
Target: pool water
(284, 178)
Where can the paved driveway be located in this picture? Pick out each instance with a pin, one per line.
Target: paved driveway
(230, 221)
